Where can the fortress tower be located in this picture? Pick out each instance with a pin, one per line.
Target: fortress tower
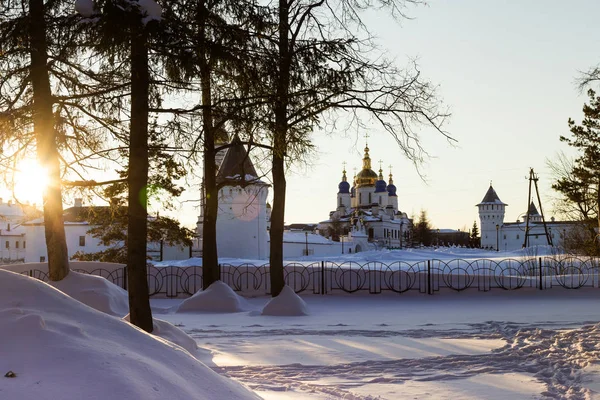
(491, 218)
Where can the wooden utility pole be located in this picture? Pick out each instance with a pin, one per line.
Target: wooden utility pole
(533, 178)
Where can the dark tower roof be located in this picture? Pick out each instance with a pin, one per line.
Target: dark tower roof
(532, 211)
(237, 164)
(491, 198)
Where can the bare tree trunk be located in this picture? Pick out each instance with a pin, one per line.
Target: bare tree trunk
(277, 223)
(279, 151)
(47, 152)
(210, 259)
(139, 303)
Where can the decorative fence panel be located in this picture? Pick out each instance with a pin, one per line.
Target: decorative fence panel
(326, 277)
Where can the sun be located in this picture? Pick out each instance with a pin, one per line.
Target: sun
(30, 181)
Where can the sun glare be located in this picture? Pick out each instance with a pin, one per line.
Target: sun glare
(30, 181)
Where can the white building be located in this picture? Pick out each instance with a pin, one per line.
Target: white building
(13, 243)
(367, 213)
(80, 240)
(506, 236)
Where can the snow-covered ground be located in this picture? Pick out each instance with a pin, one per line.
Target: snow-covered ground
(468, 345)
(500, 344)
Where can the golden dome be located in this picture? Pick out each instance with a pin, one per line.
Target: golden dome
(366, 177)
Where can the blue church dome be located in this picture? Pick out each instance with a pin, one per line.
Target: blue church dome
(380, 186)
(344, 187)
(391, 188)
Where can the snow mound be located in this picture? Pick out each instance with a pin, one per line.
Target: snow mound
(218, 297)
(96, 292)
(51, 341)
(288, 303)
(173, 334)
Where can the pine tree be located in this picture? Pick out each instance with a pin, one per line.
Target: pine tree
(35, 46)
(474, 238)
(215, 54)
(122, 36)
(581, 185)
(422, 231)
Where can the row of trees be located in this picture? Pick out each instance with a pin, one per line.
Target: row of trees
(423, 232)
(146, 91)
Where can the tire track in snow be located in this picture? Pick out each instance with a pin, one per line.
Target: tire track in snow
(555, 357)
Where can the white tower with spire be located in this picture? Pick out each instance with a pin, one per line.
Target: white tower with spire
(491, 219)
(243, 216)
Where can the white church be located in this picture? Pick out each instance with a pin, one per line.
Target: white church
(500, 235)
(367, 215)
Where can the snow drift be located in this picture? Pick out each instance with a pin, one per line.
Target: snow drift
(96, 292)
(218, 297)
(288, 303)
(59, 348)
(173, 334)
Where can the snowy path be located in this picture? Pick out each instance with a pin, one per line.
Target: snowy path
(359, 348)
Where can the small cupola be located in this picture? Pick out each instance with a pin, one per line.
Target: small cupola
(380, 185)
(391, 188)
(344, 186)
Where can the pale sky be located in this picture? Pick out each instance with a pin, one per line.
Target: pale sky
(506, 70)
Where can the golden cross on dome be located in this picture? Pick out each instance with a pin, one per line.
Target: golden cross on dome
(390, 168)
(380, 163)
(367, 138)
(344, 164)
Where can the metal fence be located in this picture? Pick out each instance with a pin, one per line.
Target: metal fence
(325, 277)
